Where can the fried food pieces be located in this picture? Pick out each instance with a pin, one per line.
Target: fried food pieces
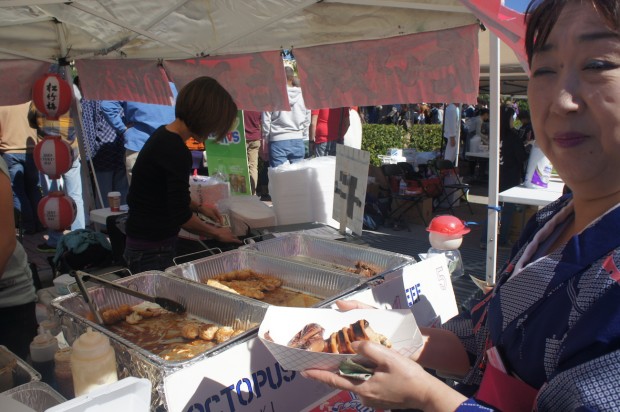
(246, 282)
(311, 338)
(365, 269)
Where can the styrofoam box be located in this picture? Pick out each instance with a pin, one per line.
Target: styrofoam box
(127, 395)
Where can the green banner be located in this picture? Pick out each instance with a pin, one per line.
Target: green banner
(229, 159)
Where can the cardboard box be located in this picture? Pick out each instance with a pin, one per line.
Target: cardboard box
(379, 178)
(411, 215)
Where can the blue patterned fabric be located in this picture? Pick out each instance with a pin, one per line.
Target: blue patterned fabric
(557, 322)
(103, 145)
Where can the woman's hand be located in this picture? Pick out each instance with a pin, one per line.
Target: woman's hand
(346, 305)
(211, 212)
(397, 383)
(223, 234)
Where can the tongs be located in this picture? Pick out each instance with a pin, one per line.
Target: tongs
(168, 304)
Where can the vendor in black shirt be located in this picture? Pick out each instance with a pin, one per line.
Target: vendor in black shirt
(159, 200)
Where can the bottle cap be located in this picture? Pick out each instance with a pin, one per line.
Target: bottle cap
(43, 346)
(91, 344)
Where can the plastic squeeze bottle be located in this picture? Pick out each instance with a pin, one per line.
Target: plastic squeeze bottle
(42, 350)
(62, 372)
(93, 362)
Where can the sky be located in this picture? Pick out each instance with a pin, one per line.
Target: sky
(518, 5)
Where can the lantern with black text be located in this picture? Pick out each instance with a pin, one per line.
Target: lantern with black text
(53, 156)
(51, 94)
(57, 211)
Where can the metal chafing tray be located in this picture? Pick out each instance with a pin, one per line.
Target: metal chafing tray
(339, 256)
(200, 300)
(36, 395)
(320, 282)
(14, 371)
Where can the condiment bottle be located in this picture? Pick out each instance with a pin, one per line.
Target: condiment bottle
(42, 350)
(93, 362)
(62, 372)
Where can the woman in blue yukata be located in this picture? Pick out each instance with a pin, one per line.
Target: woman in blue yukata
(548, 336)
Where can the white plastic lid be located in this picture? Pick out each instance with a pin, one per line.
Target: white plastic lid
(90, 345)
(114, 194)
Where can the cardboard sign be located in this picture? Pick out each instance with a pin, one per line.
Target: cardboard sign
(243, 378)
(228, 158)
(424, 287)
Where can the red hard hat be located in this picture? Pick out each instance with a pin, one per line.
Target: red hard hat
(448, 225)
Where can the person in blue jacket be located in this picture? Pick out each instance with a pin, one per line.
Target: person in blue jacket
(547, 336)
(136, 122)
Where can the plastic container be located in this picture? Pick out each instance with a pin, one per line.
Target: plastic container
(129, 394)
(62, 372)
(65, 284)
(42, 350)
(93, 362)
(538, 169)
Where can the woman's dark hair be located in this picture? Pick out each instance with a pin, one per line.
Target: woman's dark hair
(206, 108)
(541, 16)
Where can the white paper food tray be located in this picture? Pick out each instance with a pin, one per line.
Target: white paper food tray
(283, 323)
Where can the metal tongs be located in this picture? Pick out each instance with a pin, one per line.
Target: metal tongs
(168, 304)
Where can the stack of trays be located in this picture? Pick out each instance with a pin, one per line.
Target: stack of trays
(208, 304)
(36, 395)
(14, 371)
(335, 255)
(325, 284)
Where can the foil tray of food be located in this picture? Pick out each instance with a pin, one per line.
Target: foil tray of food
(366, 262)
(151, 342)
(14, 371)
(36, 395)
(270, 279)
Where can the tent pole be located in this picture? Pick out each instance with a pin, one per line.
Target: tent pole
(492, 213)
(87, 190)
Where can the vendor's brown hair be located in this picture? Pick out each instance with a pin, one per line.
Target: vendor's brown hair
(541, 16)
(206, 108)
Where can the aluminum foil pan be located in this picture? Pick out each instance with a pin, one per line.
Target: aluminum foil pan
(320, 282)
(339, 256)
(200, 300)
(14, 371)
(36, 395)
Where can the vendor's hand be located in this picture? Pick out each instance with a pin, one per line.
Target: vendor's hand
(397, 382)
(224, 234)
(346, 305)
(212, 213)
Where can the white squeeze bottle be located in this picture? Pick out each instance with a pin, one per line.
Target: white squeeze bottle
(93, 362)
(42, 350)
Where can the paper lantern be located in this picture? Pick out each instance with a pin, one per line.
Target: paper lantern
(51, 95)
(53, 156)
(57, 211)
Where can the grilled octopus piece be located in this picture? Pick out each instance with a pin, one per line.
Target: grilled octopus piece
(311, 338)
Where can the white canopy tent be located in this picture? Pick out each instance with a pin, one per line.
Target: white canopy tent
(118, 39)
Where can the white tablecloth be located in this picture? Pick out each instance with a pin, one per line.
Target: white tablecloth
(531, 196)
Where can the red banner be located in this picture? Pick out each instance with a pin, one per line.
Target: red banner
(438, 66)
(18, 77)
(124, 79)
(256, 81)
